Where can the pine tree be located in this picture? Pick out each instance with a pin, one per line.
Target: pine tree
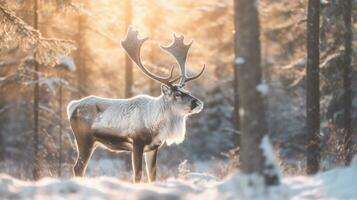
(312, 87)
(81, 72)
(128, 64)
(2, 148)
(347, 73)
(252, 111)
(36, 97)
(15, 32)
(19, 36)
(60, 123)
(236, 64)
(153, 22)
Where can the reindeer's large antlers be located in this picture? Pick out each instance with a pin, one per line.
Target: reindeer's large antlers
(179, 50)
(132, 45)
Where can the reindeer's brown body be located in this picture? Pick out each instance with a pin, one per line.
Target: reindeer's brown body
(83, 114)
(137, 125)
(140, 124)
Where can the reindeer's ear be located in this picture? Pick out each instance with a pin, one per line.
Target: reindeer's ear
(166, 90)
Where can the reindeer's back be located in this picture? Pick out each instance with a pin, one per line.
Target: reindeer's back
(86, 106)
(124, 116)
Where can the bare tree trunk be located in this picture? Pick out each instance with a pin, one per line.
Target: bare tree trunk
(2, 148)
(347, 73)
(36, 97)
(153, 84)
(60, 130)
(236, 80)
(236, 64)
(153, 23)
(81, 60)
(253, 124)
(236, 117)
(312, 87)
(128, 63)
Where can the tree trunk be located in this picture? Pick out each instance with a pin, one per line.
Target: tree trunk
(236, 117)
(253, 124)
(36, 97)
(128, 63)
(312, 87)
(236, 74)
(2, 148)
(153, 23)
(236, 63)
(60, 129)
(153, 84)
(81, 59)
(347, 73)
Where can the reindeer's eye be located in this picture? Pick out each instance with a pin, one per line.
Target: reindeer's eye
(177, 95)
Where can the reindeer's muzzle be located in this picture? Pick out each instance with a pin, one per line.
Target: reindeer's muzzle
(196, 106)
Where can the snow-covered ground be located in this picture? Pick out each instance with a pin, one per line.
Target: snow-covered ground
(339, 183)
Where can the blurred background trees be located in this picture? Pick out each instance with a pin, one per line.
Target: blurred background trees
(347, 81)
(98, 66)
(251, 88)
(128, 64)
(312, 87)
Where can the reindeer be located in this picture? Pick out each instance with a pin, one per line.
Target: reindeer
(141, 124)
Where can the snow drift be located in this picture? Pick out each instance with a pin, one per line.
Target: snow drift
(339, 183)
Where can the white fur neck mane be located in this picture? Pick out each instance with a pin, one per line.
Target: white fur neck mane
(170, 125)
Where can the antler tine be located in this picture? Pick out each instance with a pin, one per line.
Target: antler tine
(132, 45)
(179, 50)
(196, 76)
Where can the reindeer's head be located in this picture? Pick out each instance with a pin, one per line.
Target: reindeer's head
(175, 95)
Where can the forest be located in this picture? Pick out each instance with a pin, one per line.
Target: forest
(260, 102)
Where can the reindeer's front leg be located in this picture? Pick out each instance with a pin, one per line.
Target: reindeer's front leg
(137, 159)
(150, 159)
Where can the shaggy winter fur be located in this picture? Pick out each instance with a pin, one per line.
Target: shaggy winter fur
(140, 124)
(125, 117)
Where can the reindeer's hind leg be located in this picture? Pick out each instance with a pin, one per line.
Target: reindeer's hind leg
(85, 145)
(85, 150)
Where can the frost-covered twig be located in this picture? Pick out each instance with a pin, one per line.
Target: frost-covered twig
(15, 32)
(7, 79)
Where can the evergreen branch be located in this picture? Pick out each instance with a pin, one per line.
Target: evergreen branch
(15, 32)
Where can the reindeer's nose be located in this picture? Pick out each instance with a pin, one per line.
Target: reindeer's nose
(194, 104)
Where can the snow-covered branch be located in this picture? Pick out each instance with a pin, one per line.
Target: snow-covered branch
(16, 32)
